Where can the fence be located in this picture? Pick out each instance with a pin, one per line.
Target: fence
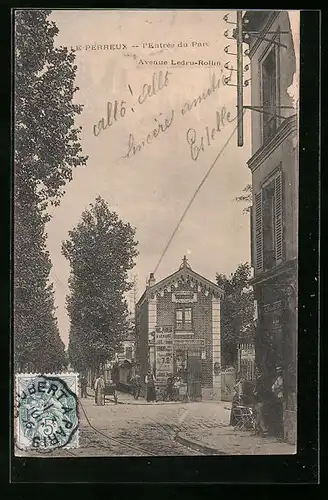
(246, 361)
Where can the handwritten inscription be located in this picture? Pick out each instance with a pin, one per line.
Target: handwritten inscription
(117, 110)
(159, 81)
(215, 85)
(162, 126)
(198, 143)
(114, 111)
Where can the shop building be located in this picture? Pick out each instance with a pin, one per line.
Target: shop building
(274, 215)
(178, 332)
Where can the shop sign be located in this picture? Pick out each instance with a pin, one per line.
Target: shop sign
(189, 343)
(184, 297)
(164, 353)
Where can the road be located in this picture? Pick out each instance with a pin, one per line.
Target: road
(142, 429)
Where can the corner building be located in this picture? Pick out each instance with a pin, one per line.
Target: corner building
(274, 215)
(178, 332)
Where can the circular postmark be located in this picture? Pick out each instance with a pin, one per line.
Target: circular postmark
(47, 413)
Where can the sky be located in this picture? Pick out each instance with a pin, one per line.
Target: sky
(152, 188)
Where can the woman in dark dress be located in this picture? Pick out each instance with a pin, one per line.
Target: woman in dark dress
(150, 385)
(262, 396)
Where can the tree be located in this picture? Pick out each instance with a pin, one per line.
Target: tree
(47, 148)
(47, 145)
(237, 311)
(38, 346)
(100, 250)
(246, 198)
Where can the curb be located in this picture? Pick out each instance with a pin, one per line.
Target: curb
(153, 403)
(135, 403)
(198, 446)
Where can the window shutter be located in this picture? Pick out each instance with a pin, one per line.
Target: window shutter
(251, 213)
(278, 218)
(258, 232)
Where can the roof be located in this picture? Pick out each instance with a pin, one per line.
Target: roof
(185, 272)
(254, 20)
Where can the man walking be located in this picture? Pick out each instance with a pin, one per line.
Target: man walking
(137, 386)
(100, 391)
(83, 387)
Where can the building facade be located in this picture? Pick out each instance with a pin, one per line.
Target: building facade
(274, 214)
(178, 332)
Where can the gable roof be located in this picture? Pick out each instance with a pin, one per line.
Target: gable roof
(187, 274)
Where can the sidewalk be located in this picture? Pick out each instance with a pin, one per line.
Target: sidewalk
(226, 441)
(124, 398)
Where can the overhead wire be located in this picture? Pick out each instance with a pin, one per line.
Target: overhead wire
(194, 196)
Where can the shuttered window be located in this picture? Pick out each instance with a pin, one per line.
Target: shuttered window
(251, 213)
(278, 218)
(268, 248)
(258, 232)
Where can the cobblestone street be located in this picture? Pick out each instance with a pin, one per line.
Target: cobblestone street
(144, 429)
(133, 428)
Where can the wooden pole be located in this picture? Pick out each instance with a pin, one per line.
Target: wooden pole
(240, 82)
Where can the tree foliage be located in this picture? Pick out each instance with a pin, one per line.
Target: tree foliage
(237, 311)
(38, 345)
(46, 149)
(47, 145)
(100, 250)
(246, 198)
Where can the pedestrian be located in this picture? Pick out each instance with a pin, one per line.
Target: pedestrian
(84, 384)
(100, 390)
(176, 388)
(277, 389)
(261, 403)
(169, 388)
(150, 387)
(137, 386)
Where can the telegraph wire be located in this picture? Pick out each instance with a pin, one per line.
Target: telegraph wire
(195, 194)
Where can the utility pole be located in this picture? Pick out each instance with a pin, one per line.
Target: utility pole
(240, 82)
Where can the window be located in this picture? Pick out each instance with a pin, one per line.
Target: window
(269, 94)
(268, 225)
(184, 319)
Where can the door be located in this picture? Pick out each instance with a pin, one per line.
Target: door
(194, 376)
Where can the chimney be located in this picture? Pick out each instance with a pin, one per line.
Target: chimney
(152, 280)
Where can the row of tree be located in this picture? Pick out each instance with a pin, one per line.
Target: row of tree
(47, 149)
(100, 249)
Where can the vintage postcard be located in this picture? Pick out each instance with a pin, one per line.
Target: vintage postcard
(155, 232)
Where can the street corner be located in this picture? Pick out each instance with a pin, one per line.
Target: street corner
(225, 440)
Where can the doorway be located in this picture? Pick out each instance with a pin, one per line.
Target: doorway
(194, 375)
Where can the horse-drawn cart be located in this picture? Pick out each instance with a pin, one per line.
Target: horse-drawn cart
(110, 390)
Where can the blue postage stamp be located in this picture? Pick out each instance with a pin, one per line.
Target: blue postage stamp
(46, 411)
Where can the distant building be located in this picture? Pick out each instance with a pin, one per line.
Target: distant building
(122, 366)
(127, 351)
(274, 217)
(178, 331)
